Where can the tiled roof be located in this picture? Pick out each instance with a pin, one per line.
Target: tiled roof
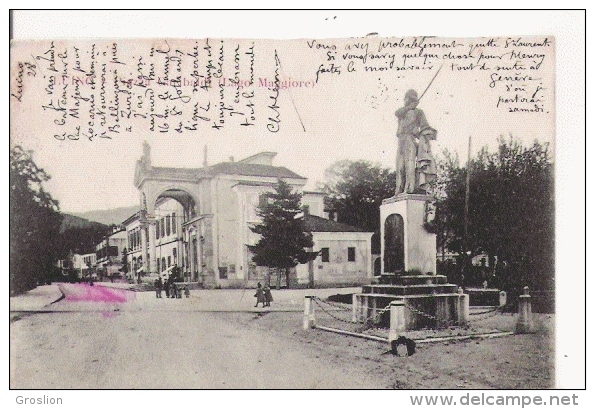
(249, 169)
(319, 224)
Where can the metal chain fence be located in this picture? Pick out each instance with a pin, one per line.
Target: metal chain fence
(340, 316)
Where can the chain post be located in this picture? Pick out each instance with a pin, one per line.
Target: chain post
(463, 307)
(309, 318)
(355, 308)
(525, 323)
(397, 319)
(502, 298)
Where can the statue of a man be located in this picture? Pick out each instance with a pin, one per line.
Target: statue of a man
(415, 165)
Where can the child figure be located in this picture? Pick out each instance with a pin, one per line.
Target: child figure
(268, 297)
(259, 295)
(186, 291)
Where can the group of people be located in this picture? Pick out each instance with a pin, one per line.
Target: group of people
(172, 290)
(263, 295)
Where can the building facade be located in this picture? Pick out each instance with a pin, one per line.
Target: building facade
(84, 264)
(344, 254)
(109, 254)
(199, 220)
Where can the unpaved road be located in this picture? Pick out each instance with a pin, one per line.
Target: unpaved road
(137, 348)
(92, 339)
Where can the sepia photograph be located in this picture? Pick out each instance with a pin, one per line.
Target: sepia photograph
(353, 211)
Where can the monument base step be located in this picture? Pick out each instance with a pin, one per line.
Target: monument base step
(402, 290)
(394, 279)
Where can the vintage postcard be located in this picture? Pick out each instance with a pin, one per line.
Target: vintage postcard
(319, 213)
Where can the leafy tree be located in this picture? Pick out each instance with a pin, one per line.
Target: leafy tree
(283, 241)
(81, 240)
(511, 212)
(124, 261)
(34, 223)
(355, 190)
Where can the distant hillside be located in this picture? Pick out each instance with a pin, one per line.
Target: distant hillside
(69, 221)
(109, 216)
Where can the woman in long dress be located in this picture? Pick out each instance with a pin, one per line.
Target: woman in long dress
(259, 295)
(268, 297)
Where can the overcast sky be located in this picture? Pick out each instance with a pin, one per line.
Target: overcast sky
(346, 117)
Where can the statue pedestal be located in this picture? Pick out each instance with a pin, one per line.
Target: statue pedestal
(405, 243)
(421, 298)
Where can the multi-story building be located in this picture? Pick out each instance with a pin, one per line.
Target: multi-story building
(84, 264)
(134, 253)
(109, 254)
(199, 219)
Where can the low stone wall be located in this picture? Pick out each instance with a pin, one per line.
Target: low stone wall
(489, 297)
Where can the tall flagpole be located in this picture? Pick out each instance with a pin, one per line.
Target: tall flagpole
(467, 197)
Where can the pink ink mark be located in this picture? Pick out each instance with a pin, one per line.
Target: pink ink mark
(97, 293)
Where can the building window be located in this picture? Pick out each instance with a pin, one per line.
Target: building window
(324, 252)
(173, 223)
(157, 230)
(168, 225)
(163, 263)
(174, 252)
(163, 227)
(169, 261)
(350, 253)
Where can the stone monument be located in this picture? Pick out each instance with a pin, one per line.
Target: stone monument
(406, 245)
(408, 250)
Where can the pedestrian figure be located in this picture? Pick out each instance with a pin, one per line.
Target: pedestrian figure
(268, 297)
(186, 291)
(167, 288)
(259, 295)
(157, 288)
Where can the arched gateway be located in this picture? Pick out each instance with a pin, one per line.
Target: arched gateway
(205, 227)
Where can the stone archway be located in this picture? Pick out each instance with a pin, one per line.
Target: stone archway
(187, 194)
(180, 221)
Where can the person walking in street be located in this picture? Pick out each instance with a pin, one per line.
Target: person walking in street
(174, 290)
(158, 288)
(167, 288)
(259, 295)
(268, 297)
(186, 291)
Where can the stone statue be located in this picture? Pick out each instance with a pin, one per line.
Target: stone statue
(416, 168)
(146, 158)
